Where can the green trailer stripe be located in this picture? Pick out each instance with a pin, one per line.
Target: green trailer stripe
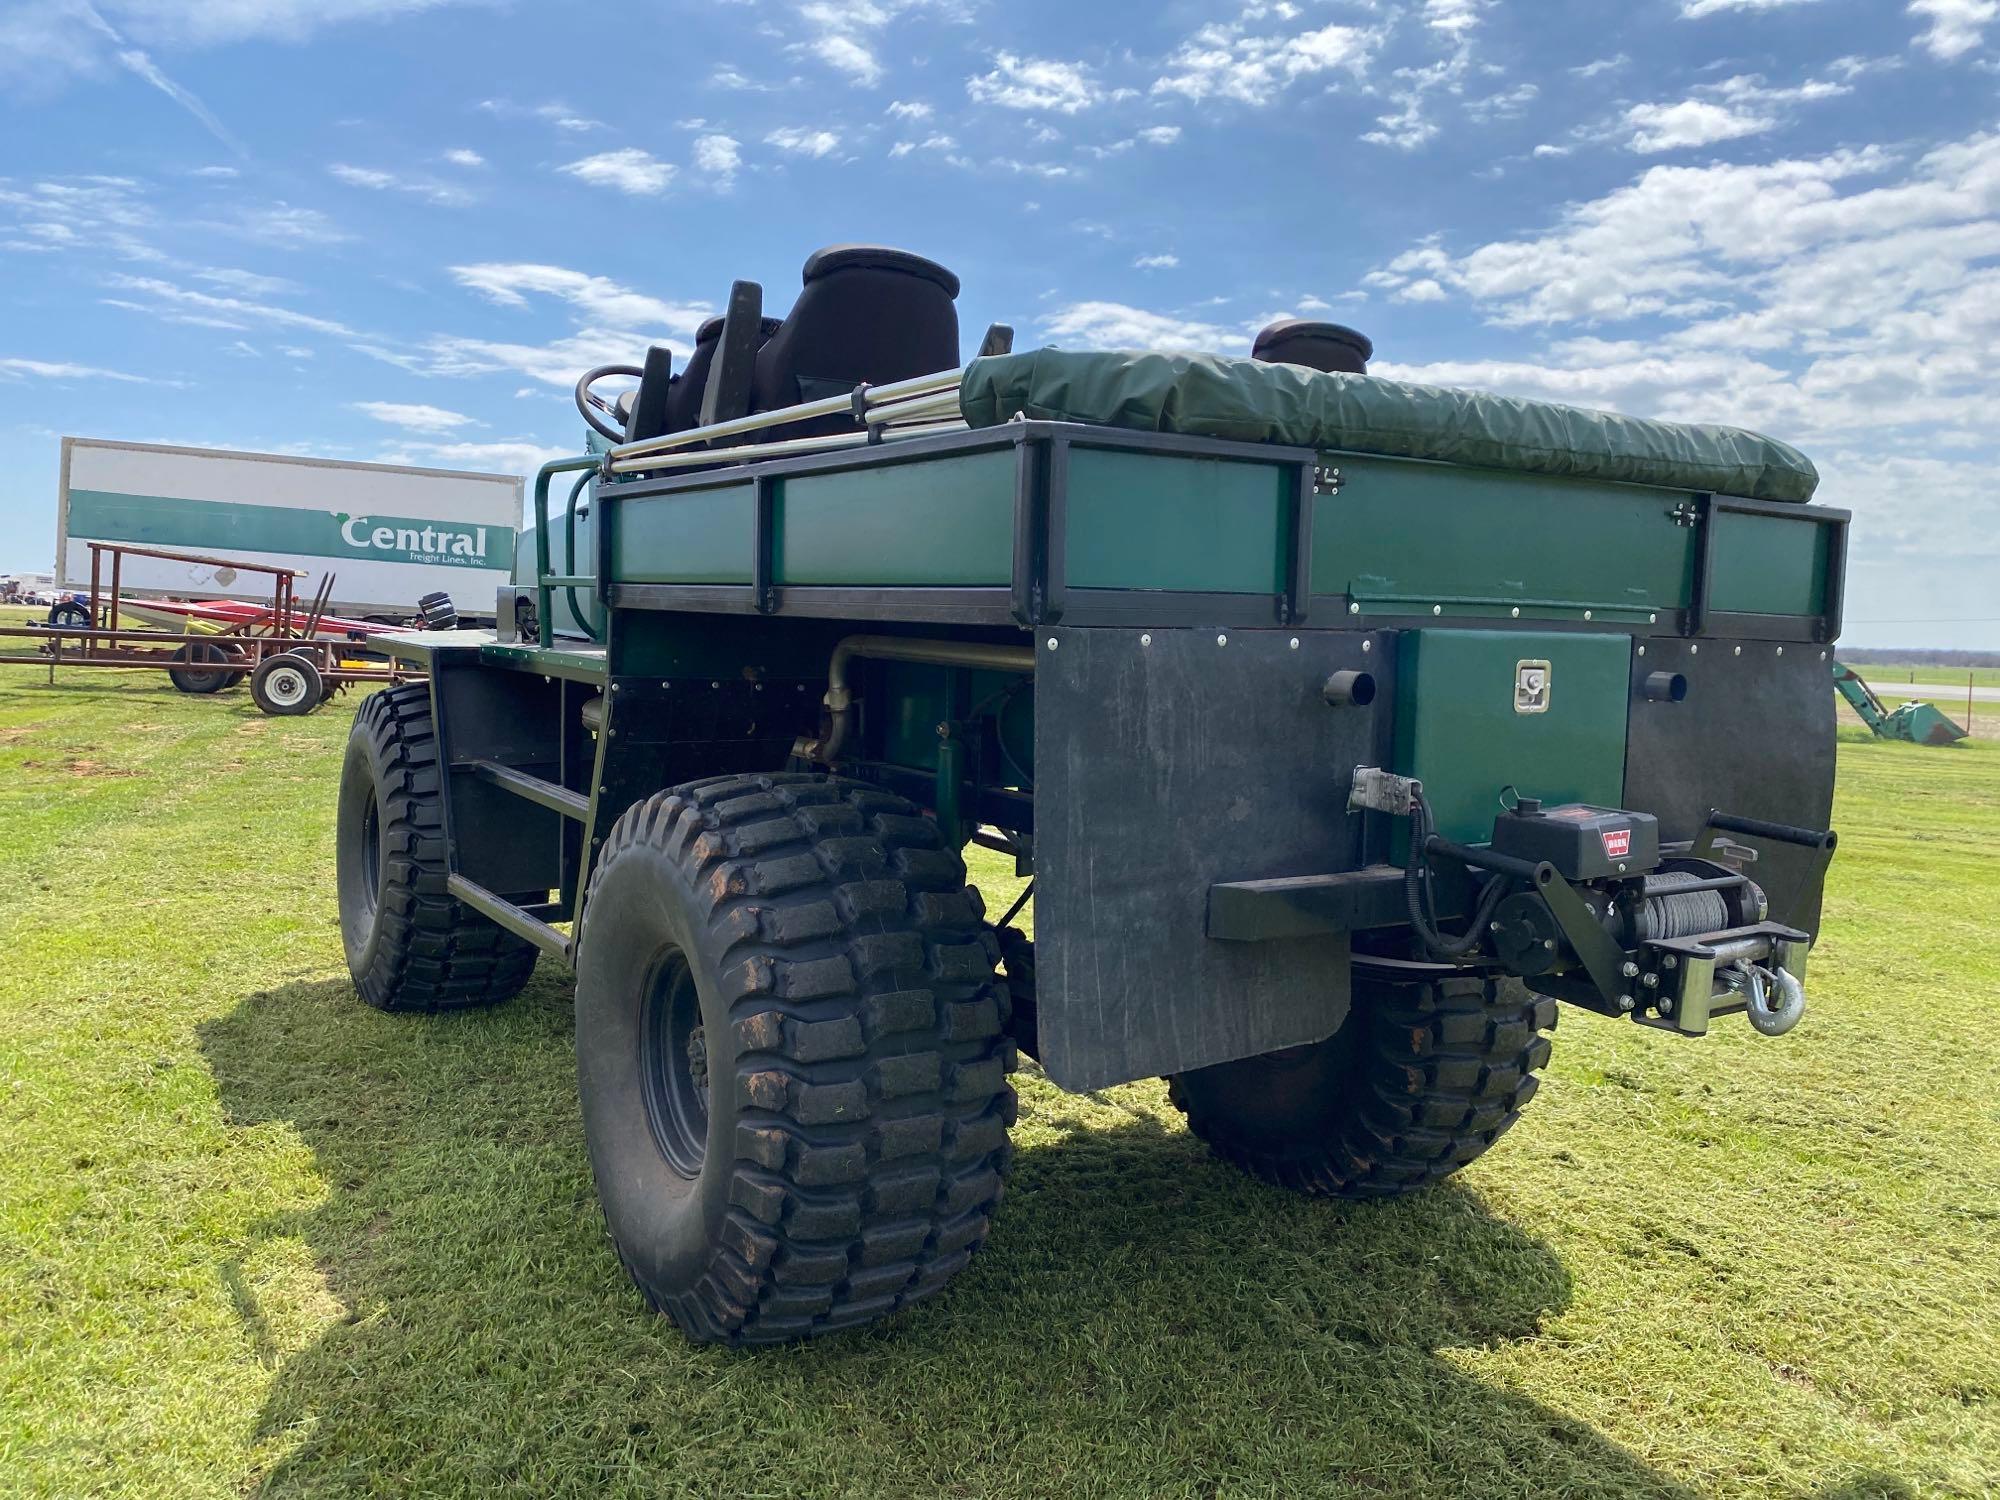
(223, 526)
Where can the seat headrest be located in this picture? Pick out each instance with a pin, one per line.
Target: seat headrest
(712, 329)
(877, 258)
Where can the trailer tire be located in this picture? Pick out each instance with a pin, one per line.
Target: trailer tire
(191, 678)
(410, 944)
(1421, 1079)
(811, 946)
(287, 685)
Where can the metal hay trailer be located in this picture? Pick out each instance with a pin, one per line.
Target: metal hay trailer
(1338, 758)
(288, 670)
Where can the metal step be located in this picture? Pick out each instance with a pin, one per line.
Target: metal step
(559, 798)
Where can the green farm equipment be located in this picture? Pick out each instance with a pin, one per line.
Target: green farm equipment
(1344, 726)
(1919, 723)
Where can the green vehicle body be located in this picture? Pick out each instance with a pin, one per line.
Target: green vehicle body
(701, 611)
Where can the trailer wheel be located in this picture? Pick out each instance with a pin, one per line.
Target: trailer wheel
(791, 1055)
(286, 684)
(411, 946)
(1420, 1080)
(70, 615)
(190, 678)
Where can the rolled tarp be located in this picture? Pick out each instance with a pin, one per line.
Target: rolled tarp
(1206, 395)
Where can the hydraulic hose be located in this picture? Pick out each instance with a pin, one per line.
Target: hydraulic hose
(1421, 899)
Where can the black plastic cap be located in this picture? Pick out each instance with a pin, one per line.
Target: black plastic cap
(877, 258)
(1318, 346)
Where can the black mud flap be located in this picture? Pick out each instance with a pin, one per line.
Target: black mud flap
(1168, 761)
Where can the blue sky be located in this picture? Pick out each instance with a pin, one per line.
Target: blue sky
(396, 229)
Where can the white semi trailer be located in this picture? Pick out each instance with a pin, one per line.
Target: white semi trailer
(389, 535)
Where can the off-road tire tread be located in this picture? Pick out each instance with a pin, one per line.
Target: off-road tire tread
(1446, 1068)
(871, 1149)
(442, 955)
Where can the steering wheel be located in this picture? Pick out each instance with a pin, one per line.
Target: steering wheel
(590, 404)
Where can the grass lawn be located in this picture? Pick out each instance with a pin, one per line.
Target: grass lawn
(256, 1237)
(1883, 676)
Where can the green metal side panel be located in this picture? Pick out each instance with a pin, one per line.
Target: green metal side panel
(1458, 728)
(1160, 521)
(1768, 565)
(702, 536)
(1401, 538)
(943, 523)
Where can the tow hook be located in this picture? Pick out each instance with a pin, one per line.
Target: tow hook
(1776, 998)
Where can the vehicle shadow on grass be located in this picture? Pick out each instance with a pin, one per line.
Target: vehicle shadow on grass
(1144, 1320)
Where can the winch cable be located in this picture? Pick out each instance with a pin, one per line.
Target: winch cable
(1421, 897)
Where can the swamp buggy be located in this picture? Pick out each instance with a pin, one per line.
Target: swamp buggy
(1345, 727)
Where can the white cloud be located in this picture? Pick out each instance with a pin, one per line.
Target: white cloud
(1220, 62)
(597, 298)
(909, 110)
(415, 418)
(802, 142)
(375, 179)
(287, 227)
(1601, 65)
(630, 170)
(1694, 10)
(516, 456)
(935, 142)
(1165, 261)
(1956, 26)
(1035, 83)
(42, 369)
(1692, 122)
(179, 304)
(1547, 150)
(1848, 301)
(717, 157)
(248, 283)
(844, 54)
(1113, 325)
(1160, 135)
(464, 156)
(555, 112)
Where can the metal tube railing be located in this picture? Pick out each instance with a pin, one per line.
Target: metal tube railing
(627, 458)
(544, 591)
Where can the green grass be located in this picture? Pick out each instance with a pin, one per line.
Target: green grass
(256, 1237)
(1883, 676)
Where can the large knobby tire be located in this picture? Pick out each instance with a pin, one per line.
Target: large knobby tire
(791, 1055)
(1421, 1079)
(411, 945)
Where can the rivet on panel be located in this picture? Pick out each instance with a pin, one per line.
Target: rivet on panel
(1052, 643)
(1367, 645)
(1642, 650)
(1437, 609)
(1354, 609)
(1144, 640)
(1295, 643)
(1737, 652)
(1590, 614)
(1222, 640)
(1515, 611)
(1694, 648)
(1781, 651)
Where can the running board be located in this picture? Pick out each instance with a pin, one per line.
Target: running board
(547, 793)
(508, 915)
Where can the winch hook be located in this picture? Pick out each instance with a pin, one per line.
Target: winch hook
(1777, 998)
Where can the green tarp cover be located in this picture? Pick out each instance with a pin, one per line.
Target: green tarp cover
(1205, 395)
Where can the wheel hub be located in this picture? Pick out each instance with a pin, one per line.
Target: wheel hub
(673, 1064)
